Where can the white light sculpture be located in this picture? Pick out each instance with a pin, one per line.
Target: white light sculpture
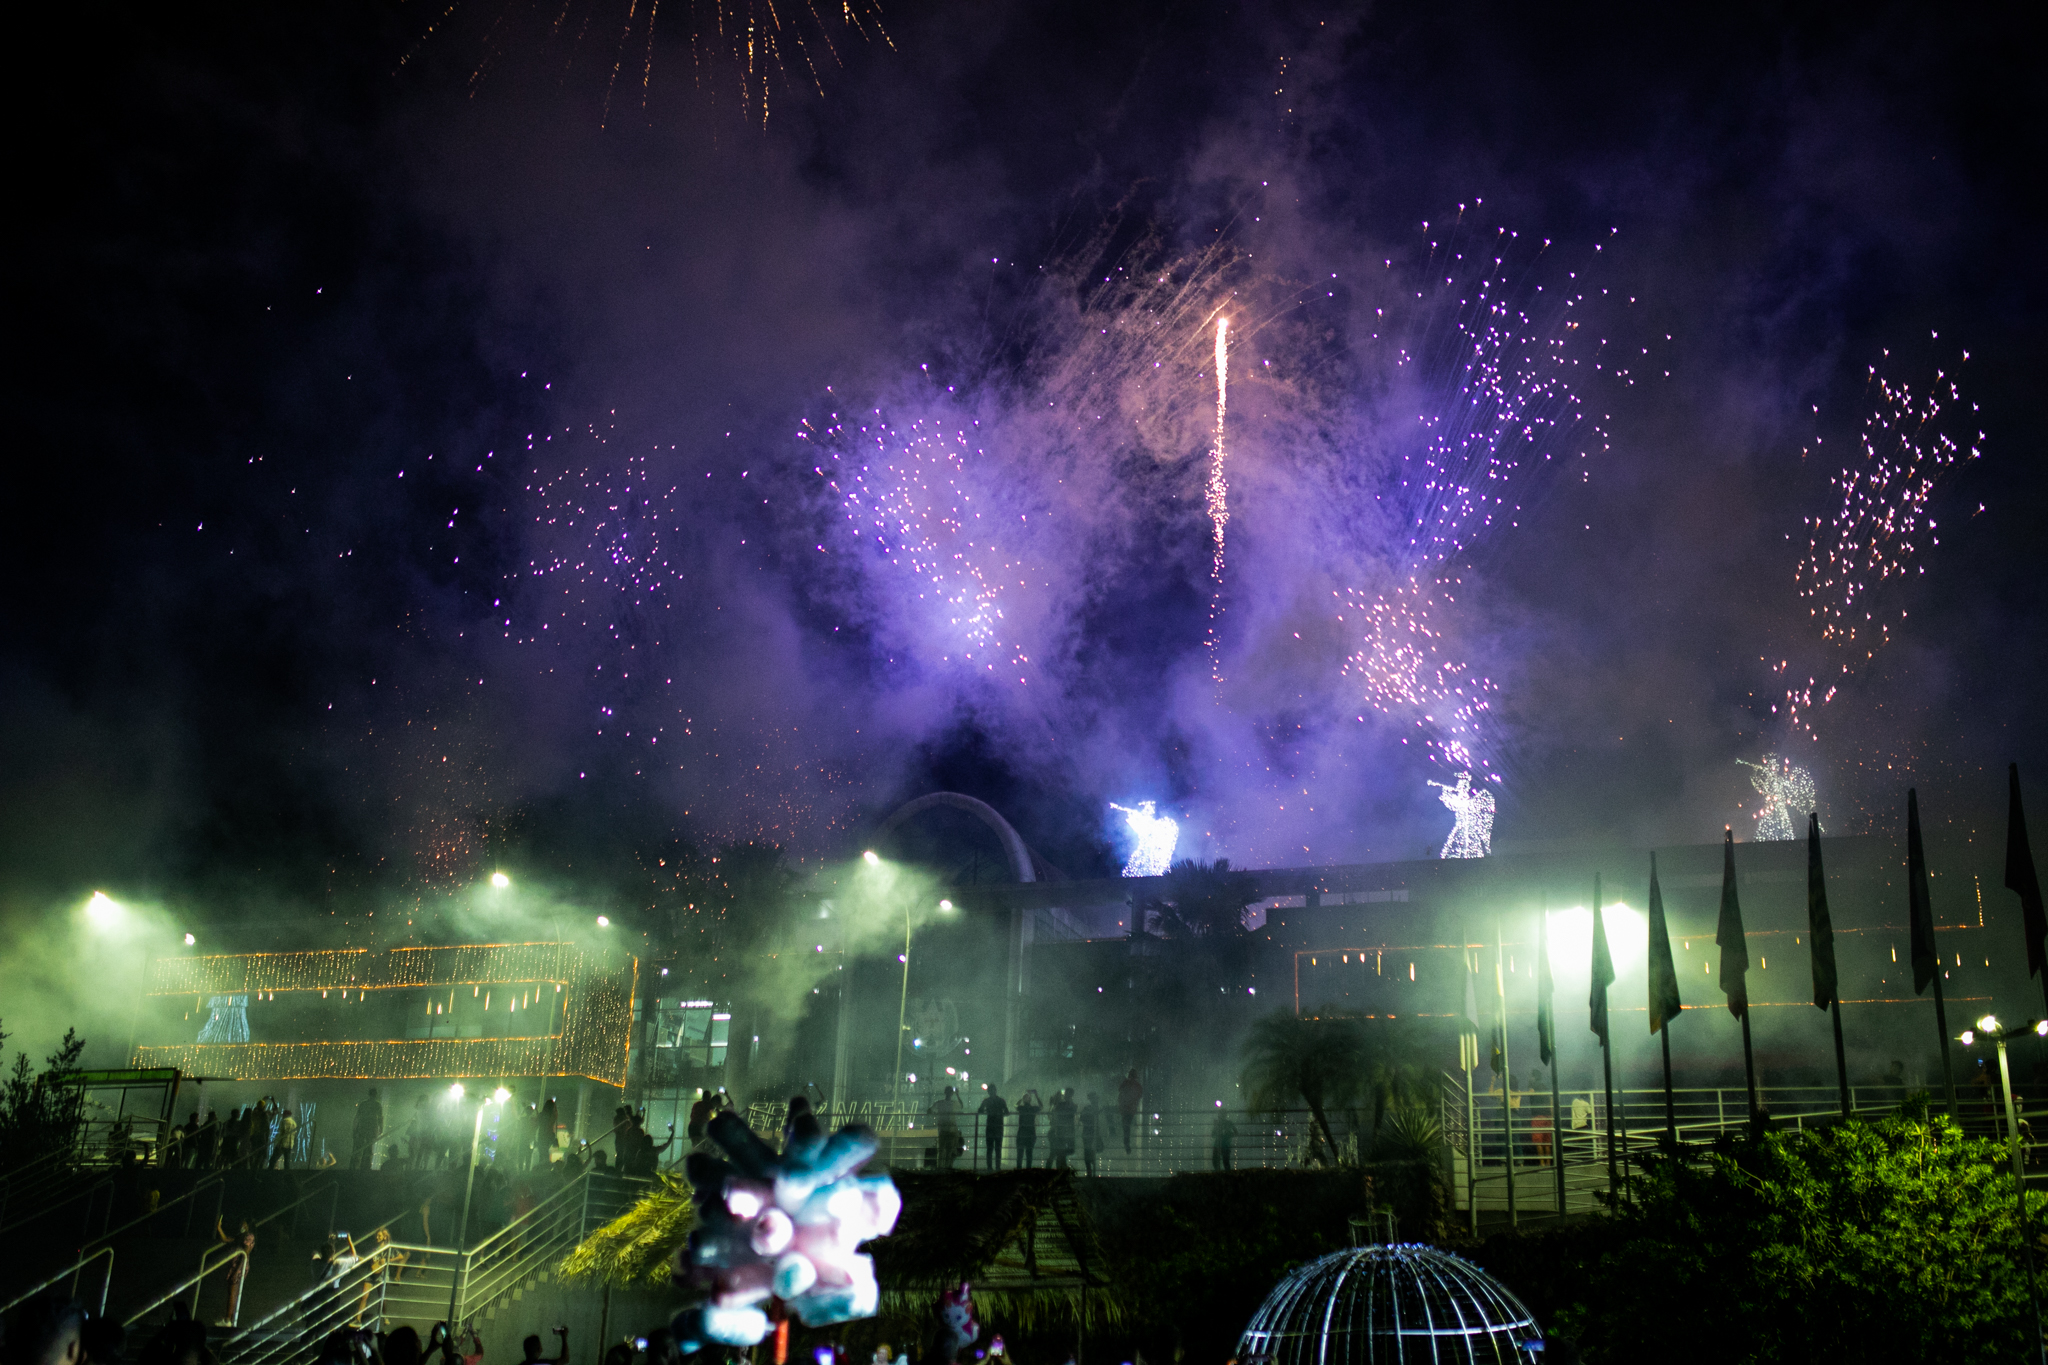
(1472, 835)
(1787, 790)
(1156, 836)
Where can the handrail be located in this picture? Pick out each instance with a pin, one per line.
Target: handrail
(232, 1252)
(180, 1288)
(75, 1269)
(338, 1291)
(531, 1215)
(108, 1236)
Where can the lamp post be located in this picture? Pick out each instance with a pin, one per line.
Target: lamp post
(497, 1097)
(1988, 1028)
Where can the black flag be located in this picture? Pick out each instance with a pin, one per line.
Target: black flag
(1818, 923)
(1728, 936)
(2020, 878)
(1603, 968)
(1919, 907)
(1546, 1025)
(1664, 1002)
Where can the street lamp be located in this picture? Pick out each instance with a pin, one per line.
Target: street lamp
(497, 1097)
(1989, 1029)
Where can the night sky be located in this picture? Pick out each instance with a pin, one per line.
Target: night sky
(423, 435)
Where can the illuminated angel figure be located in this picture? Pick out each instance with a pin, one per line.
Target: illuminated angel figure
(1787, 790)
(1472, 835)
(1156, 835)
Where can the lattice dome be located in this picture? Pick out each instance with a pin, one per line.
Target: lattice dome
(1403, 1304)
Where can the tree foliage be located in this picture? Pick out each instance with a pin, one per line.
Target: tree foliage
(1320, 1062)
(1864, 1242)
(36, 1117)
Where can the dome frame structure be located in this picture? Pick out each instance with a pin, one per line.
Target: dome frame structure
(1402, 1303)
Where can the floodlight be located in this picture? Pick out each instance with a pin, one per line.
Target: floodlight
(500, 880)
(189, 940)
(603, 922)
(872, 860)
(501, 1094)
(1968, 1038)
(455, 1091)
(102, 909)
(945, 905)
(1989, 1023)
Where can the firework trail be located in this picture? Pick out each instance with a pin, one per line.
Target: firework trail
(1859, 558)
(737, 47)
(1216, 492)
(1499, 409)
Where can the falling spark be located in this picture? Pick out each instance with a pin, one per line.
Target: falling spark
(1858, 560)
(1217, 491)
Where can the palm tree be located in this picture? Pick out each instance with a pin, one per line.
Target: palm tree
(1321, 1061)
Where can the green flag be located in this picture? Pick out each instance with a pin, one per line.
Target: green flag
(1603, 968)
(1818, 923)
(1728, 936)
(1546, 1024)
(1919, 906)
(2020, 878)
(1664, 1002)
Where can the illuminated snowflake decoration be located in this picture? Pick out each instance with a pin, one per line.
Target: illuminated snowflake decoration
(1156, 836)
(1472, 835)
(1787, 790)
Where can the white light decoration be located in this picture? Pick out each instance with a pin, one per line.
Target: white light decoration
(227, 1020)
(1472, 835)
(1787, 790)
(1156, 836)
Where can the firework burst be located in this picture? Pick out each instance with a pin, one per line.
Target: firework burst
(1497, 369)
(1860, 558)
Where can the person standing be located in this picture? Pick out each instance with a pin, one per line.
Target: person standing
(1061, 1129)
(368, 1128)
(287, 1140)
(1028, 1110)
(700, 1117)
(947, 1109)
(1130, 1097)
(994, 1109)
(1222, 1134)
(238, 1270)
(1091, 1132)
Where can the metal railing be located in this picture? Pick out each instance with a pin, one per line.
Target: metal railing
(396, 1281)
(192, 1284)
(75, 1270)
(1486, 1144)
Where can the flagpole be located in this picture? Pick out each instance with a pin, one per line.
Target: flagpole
(1606, 1059)
(1665, 1005)
(1841, 1058)
(1732, 940)
(1507, 1082)
(1820, 926)
(1926, 953)
(1546, 1030)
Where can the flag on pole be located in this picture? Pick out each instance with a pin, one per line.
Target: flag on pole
(1919, 906)
(2021, 880)
(1468, 1035)
(1546, 1023)
(1728, 936)
(1664, 1002)
(1603, 968)
(1820, 926)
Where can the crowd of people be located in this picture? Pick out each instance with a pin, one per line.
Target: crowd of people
(1071, 1125)
(52, 1329)
(254, 1137)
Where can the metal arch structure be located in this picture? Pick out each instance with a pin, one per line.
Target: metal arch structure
(1024, 864)
(1386, 1304)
